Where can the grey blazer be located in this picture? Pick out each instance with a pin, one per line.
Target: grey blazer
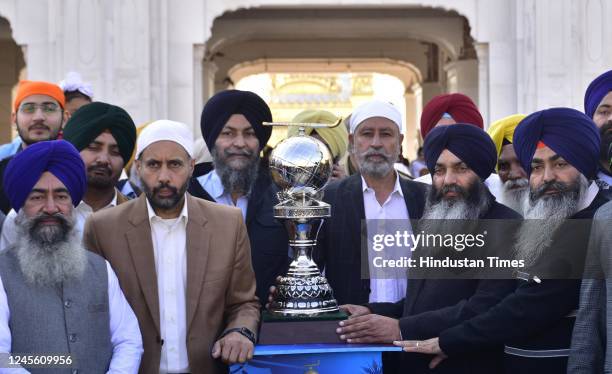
(591, 350)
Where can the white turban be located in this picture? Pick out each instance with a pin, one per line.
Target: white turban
(74, 82)
(165, 130)
(375, 108)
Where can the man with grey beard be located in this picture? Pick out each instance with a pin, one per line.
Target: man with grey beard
(461, 157)
(232, 129)
(59, 303)
(515, 184)
(559, 150)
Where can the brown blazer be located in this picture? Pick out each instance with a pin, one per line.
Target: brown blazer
(220, 277)
(121, 198)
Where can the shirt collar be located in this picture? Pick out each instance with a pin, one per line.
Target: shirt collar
(152, 215)
(396, 189)
(213, 184)
(589, 197)
(113, 203)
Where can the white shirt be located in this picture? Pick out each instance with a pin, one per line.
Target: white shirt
(169, 238)
(125, 333)
(211, 182)
(386, 290)
(82, 211)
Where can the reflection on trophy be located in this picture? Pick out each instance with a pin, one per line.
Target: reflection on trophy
(300, 167)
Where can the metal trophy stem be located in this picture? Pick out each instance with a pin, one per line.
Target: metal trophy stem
(301, 166)
(303, 291)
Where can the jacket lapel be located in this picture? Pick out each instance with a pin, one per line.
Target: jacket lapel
(140, 246)
(198, 247)
(413, 198)
(257, 194)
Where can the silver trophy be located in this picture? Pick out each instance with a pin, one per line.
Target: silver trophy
(301, 166)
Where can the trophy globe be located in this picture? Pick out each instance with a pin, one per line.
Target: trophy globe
(301, 166)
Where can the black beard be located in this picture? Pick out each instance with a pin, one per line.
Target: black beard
(48, 236)
(565, 190)
(472, 195)
(236, 180)
(98, 181)
(164, 203)
(606, 140)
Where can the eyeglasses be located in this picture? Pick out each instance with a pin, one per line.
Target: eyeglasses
(46, 108)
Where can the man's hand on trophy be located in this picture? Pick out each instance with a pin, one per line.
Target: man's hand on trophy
(233, 348)
(271, 293)
(355, 310)
(371, 328)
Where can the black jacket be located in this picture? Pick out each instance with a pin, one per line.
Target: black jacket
(433, 305)
(268, 237)
(537, 316)
(339, 247)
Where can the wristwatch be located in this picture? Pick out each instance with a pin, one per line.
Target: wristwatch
(242, 331)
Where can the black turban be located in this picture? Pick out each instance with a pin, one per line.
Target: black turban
(91, 120)
(226, 103)
(469, 143)
(568, 132)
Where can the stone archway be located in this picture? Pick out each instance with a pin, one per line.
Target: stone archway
(406, 73)
(12, 65)
(436, 44)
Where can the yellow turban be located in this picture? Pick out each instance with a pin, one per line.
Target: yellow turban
(335, 137)
(504, 129)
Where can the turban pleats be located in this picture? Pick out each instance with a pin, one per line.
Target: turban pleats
(58, 157)
(469, 143)
(568, 132)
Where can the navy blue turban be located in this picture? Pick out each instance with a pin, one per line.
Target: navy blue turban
(596, 91)
(226, 103)
(568, 132)
(470, 143)
(58, 157)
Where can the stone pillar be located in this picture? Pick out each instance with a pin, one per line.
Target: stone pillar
(462, 77)
(413, 99)
(482, 50)
(429, 90)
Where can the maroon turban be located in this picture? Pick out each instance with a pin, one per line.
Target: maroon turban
(459, 106)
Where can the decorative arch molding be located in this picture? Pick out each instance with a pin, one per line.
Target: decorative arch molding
(215, 9)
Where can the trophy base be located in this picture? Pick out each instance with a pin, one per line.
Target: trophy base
(317, 329)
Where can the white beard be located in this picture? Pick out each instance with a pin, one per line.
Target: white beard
(514, 194)
(49, 264)
(543, 217)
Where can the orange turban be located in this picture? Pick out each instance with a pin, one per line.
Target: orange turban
(29, 88)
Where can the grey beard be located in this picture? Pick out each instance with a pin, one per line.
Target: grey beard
(377, 169)
(514, 198)
(455, 210)
(543, 217)
(236, 180)
(50, 255)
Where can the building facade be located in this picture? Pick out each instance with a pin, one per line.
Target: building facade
(164, 58)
